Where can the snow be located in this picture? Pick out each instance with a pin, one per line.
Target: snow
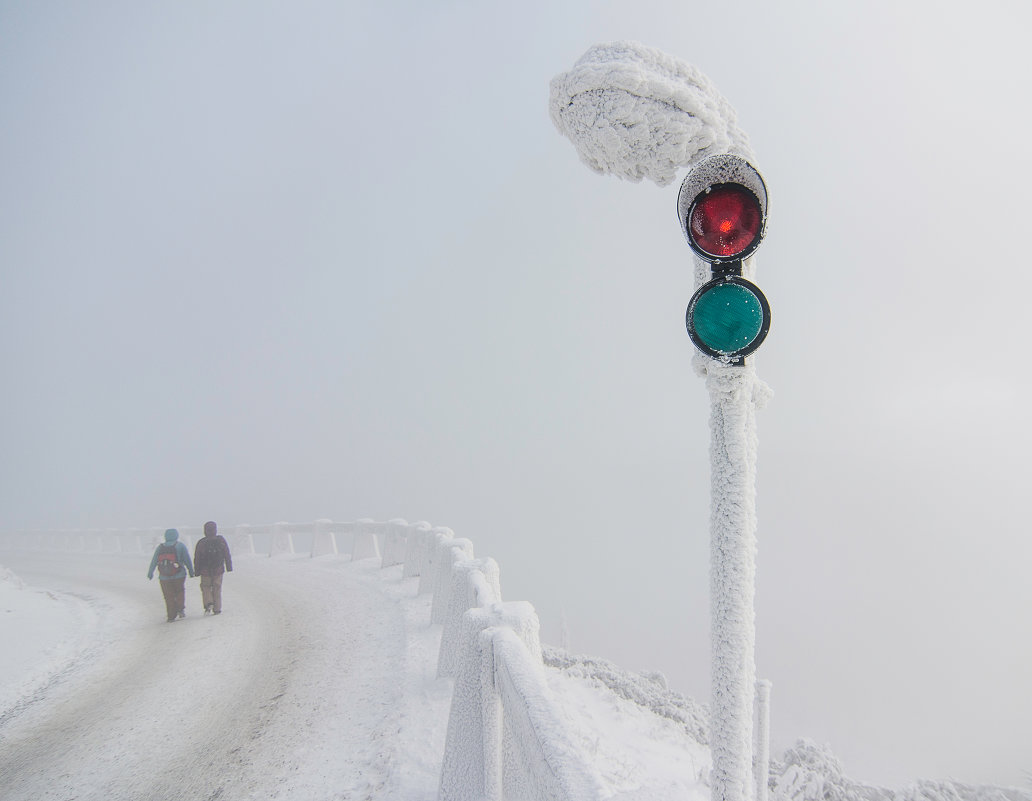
(303, 688)
(48, 628)
(636, 112)
(320, 681)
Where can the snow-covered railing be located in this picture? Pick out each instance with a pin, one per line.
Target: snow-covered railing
(505, 738)
(360, 540)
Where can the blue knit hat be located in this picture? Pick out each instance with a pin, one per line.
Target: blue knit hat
(171, 535)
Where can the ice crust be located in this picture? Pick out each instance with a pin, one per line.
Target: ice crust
(636, 112)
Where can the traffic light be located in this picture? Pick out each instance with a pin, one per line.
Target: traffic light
(722, 206)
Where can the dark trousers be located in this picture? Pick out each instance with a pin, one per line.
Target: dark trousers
(174, 590)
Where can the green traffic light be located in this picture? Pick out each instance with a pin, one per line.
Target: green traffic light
(728, 317)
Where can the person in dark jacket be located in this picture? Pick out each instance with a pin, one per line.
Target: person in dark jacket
(172, 560)
(212, 560)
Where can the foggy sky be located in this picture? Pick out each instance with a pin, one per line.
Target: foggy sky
(265, 262)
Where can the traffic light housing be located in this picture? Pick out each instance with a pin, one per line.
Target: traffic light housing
(722, 207)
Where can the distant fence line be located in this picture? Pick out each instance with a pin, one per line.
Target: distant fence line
(360, 540)
(506, 738)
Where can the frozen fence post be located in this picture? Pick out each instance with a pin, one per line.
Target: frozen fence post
(449, 551)
(282, 541)
(762, 766)
(474, 583)
(415, 548)
(243, 539)
(366, 545)
(189, 535)
(471, 749)
(492, 718)
(108, 541)
(137, 540)
(428, 565)
(323, 541)
(541, 758)
(394, 542)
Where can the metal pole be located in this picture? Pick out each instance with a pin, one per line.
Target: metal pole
(735, 392)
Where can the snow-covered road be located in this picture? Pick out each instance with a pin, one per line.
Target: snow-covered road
(300, 689)
(318, 682)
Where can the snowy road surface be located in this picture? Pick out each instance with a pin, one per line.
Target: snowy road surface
(300, 689)
(317, 683)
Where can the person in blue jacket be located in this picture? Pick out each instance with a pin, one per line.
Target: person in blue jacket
(172, 561)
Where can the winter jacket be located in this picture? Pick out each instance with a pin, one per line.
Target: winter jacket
(212, 561)
(182, 556)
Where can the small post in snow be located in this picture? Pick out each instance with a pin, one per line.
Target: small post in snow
(762, 762)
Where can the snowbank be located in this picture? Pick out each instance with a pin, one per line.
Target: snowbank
(44, 631)
(810, 772)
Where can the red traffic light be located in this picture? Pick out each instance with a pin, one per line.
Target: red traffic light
(725, 220)
(723, 209)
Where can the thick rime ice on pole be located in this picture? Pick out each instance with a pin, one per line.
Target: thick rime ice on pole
(735, 393)
(636, 112)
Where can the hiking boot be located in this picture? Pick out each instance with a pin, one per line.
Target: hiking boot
(182, 614)
(209, 608)
(216, 612)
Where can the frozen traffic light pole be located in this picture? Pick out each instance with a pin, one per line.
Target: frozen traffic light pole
(635, 112)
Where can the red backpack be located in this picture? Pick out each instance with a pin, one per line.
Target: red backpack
(168, 560)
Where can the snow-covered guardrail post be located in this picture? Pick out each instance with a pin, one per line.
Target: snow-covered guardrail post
(416, 543)
(394, 536)
(636, 112)
(324, 541)
(281, 540)
(472, 768)
(242, 539)
(762, 765)
(428, 565)
(366, 545)
(449, 551)
(474, 584)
